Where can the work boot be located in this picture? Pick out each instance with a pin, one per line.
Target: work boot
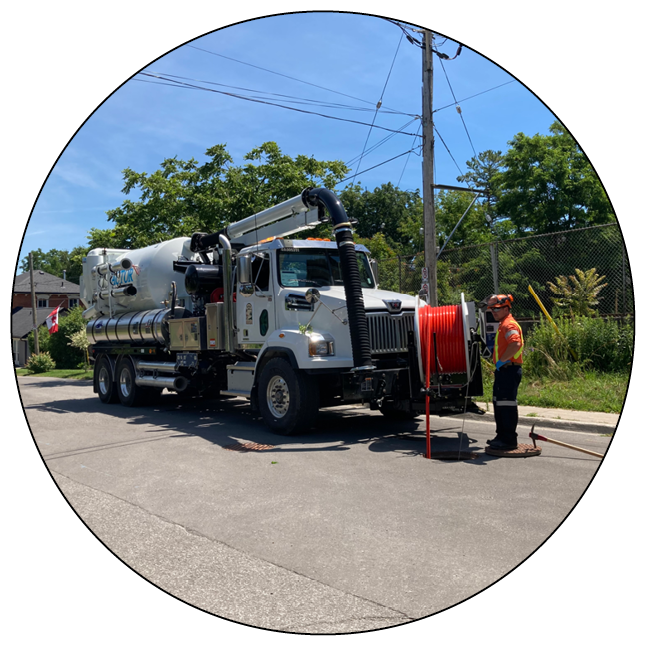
(502, 445)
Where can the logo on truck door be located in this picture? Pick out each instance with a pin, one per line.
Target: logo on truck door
(249, 314)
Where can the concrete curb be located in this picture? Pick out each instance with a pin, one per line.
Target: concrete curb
(547, 422)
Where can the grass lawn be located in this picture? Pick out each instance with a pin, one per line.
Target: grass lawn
(72, 373)
(589, 392)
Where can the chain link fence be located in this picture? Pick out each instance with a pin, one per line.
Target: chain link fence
(510, 266)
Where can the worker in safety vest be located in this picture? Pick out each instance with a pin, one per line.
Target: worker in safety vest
(508, 357)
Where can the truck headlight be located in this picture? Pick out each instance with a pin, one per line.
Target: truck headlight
(321, 345)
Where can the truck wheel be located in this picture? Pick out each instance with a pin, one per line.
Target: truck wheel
(129, 393)
(104, 383)
(288, 399)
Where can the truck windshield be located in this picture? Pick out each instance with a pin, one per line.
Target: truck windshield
(300, 267)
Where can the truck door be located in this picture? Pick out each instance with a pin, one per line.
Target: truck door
(256, 302)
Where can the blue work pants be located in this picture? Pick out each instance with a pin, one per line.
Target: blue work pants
(505, 405)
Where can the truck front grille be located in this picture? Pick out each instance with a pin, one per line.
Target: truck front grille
(388, 332)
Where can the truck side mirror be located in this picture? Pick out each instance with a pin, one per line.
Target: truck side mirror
(244, 270)
(312, 295)
(375, 270)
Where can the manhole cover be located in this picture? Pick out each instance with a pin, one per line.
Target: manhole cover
(523, 451)
(249, 446)
(454, 455)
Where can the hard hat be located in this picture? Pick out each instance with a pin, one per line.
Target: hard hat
(498, 301)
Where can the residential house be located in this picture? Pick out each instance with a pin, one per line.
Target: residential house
(51, 291)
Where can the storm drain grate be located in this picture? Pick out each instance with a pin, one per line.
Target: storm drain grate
(249, 446)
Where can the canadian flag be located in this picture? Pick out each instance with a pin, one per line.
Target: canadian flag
(52, 321)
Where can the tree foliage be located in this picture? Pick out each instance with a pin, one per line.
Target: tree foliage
(541, 184)
(58, 343)
(183, 197)
(547, 184)
(56, 261)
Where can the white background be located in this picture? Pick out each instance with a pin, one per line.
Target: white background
(60, 61)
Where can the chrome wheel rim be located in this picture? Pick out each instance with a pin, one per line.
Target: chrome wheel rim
(104, 380)
(125, 382)
(278, 397)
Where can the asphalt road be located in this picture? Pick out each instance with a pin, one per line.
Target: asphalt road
(345, 529)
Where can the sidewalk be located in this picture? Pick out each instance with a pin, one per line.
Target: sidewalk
(559, 418)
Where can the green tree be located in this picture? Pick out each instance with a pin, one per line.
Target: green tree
(184, 196)
(56, 261)
(548, 185)
(382, 210)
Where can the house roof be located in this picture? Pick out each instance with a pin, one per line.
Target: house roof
(44, 284)
(22, 323)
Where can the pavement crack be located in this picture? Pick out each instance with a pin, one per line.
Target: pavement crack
(249, 555)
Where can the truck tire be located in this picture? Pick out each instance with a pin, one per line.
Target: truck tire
(105, 385)
(288, 399)
(129, 393)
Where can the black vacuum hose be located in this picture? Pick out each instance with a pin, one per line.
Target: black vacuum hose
(359, 337)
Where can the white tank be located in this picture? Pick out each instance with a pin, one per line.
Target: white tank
(149, 271)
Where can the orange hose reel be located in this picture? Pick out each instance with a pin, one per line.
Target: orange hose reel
(442, 333)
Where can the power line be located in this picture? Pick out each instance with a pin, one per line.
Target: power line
(286, 107)
(447, 149)
(473, 96)
(407, 159)
(303, 100)
(380, 164)
(381, 142)
(458, 107)
(264, 69)
(379, 102)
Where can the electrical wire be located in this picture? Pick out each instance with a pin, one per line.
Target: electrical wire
(458, 107)
(262, 93)
(381, 142)
(380, 164)
(379, 102)
(286, 107)
(292, 78)
(447, 149)
(407, 159)
(473, 96)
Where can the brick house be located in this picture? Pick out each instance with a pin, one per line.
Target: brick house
(51, 291)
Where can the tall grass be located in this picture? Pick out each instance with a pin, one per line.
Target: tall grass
(599, 345)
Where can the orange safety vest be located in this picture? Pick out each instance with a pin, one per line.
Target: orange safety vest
(507, 330)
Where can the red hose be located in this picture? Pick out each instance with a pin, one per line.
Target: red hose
(446, 323)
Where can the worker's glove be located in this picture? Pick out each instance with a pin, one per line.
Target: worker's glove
(500, 364)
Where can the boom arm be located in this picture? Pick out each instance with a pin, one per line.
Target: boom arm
(290, 216)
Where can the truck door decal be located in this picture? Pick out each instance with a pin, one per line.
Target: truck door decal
(249, 314)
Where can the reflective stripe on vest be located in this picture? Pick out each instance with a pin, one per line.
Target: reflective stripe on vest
(495, 345)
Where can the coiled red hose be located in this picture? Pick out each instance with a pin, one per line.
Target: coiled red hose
(446, 322)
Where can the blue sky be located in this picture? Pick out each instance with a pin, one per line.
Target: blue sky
(62, 63)
(143, 122)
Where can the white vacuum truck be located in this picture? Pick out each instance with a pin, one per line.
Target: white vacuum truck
(292, 325)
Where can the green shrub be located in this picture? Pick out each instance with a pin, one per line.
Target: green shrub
(603, 345)
(42, 362)
(43, 340)
(56, 344)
